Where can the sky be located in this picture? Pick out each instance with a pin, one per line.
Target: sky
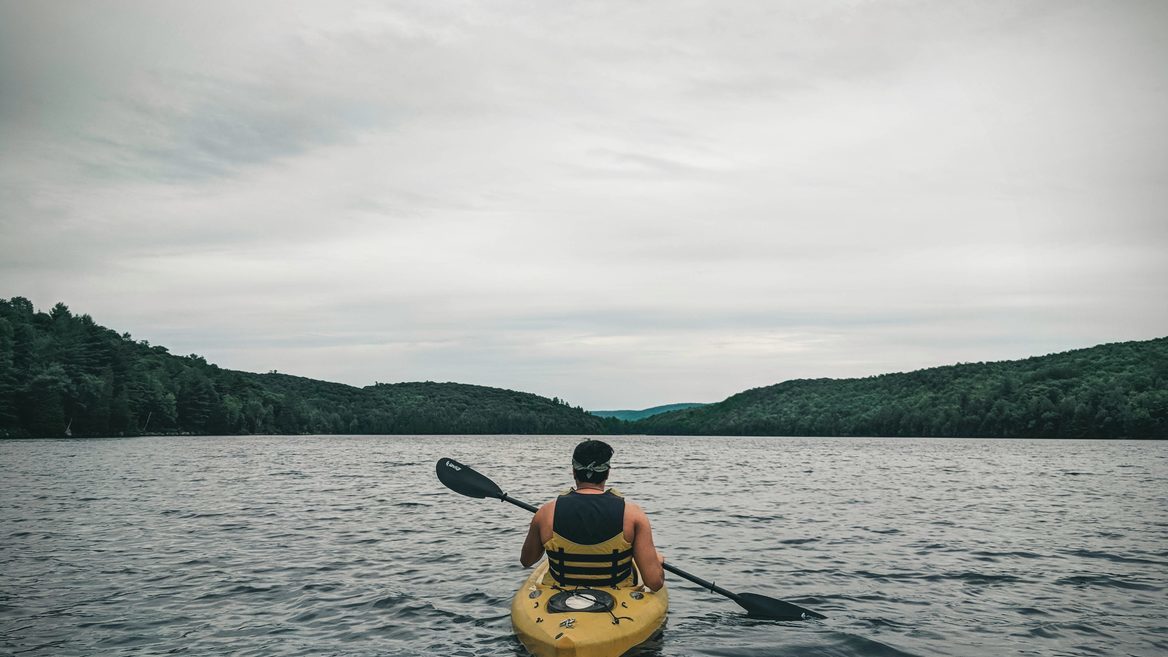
(622, 204)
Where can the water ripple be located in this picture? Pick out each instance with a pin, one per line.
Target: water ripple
(288, 546)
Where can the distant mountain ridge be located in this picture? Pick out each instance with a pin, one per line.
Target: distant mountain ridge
(64, 375)
(1115, 390)
(630, 416)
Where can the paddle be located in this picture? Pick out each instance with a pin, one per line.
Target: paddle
(466, 481)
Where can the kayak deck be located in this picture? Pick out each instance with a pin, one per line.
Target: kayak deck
(638, 614)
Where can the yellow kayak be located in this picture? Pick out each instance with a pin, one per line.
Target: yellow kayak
(584, 622)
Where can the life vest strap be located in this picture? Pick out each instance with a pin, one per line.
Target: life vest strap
(617, 567)
(562, 556)
(587, 570)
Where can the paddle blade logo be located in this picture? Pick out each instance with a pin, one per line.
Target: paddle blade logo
(450, 464)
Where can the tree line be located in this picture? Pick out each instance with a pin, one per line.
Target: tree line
(1110, 391)
(62, 374)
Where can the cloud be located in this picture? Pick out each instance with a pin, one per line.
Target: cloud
(619, 204)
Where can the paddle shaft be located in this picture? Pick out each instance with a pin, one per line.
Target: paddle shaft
(701, 582)
(521, 505)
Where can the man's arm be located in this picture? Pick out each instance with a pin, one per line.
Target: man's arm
(533, 544)
(648, 559)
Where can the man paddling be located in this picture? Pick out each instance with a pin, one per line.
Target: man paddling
(592, 535)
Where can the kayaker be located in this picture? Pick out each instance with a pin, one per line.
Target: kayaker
(592, 535)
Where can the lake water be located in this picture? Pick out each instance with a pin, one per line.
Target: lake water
(330, 545)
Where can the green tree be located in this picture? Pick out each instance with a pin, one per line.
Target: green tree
(43, 402)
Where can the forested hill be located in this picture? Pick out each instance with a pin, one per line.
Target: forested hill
(62, 374)
(1110, 391)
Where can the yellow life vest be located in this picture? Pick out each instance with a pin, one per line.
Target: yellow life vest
(607, 562)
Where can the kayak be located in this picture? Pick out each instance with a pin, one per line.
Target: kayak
(584, 622)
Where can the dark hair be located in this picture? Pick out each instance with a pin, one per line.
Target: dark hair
(589, 455)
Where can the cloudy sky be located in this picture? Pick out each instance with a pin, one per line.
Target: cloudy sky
(621, 204)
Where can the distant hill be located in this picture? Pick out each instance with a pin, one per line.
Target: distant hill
(1109, 391)
(648, 412)
(62, 374)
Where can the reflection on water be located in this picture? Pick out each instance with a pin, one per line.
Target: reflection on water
(349, 545)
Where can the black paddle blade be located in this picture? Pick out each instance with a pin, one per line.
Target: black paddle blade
(462, 479)
(760, 606)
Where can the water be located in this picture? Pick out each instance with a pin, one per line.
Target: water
(280, 546)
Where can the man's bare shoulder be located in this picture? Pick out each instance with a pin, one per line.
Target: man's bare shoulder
(546, 511)
(634, 511)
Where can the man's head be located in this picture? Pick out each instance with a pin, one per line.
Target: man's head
(590, 461)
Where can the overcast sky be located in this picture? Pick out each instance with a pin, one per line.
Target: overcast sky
(621, 204)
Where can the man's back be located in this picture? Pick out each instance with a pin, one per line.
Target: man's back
(587, 526)
(635, 531)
